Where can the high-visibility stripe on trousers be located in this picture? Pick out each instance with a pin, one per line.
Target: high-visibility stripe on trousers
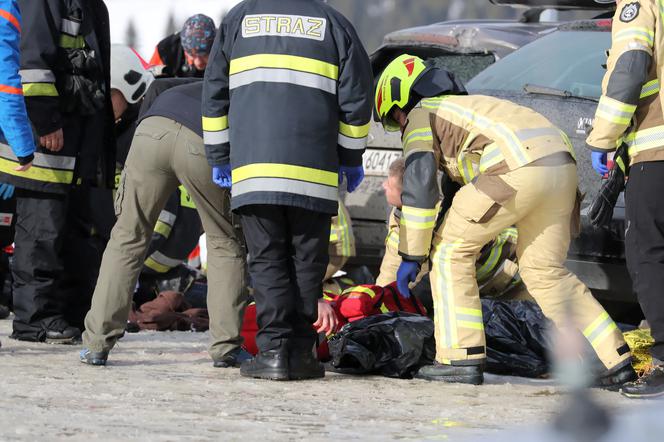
(541, 212)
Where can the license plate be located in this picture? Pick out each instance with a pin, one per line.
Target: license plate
(377, 162)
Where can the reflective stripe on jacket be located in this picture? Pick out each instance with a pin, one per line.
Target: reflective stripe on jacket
(342, 239)
(175, 235)
(472, 139)
(300, 83)
(50, 30)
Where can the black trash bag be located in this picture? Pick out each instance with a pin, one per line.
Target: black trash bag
(517, 340)
(393, 344)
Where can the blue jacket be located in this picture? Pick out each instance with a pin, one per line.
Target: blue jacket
(15, 128)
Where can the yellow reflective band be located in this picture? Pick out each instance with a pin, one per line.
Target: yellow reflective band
(39, 90)
(413, 217)
(334, 237)
(422, 134)
(646, 139)
(354, 131)
(185, 198)
(418, 225)
(280, 61)
(469, 318)
(650, 88)
(359, 289)
(344, 231)
(384, 309)
(288, 171)
(431, 103)
(615, 111)
(416, 211)
(445, 312)
(490, 157)
(469, 311)
(214, 124)
(393, 238)
(37, 173)
(162, 229)
(643, 34)
(69, 42)
(156, 266)
(596, 323)
(491, 262)
(483, 123)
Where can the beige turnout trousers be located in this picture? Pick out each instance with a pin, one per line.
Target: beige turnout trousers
(541, 210)
(165, 154)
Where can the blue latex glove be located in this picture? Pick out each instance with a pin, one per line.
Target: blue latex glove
(599, 162)
(354, 176)
(406, 274)
(221, 175)
(6, 191)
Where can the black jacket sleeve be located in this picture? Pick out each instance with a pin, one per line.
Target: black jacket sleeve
(39, 55)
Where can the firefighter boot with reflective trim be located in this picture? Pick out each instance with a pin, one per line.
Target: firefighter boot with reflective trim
(304, 365)
(93, 357)
(615, 379)
(650, 385)
(463, 374)
(271, 364)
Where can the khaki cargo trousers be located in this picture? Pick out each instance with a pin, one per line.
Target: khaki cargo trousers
(163, 155)
(541, 210)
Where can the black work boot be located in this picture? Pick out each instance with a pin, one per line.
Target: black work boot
(232, 359)
(93, 357)
(463, 374)
(304, 364)
(650, 385)
(270, 364)
(613, 380)
(63, 335)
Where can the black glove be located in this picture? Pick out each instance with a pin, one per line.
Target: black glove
(600, 211)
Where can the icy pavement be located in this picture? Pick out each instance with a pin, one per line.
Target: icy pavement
(162, 387)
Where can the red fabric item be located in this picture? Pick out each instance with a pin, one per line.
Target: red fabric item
(354, 303)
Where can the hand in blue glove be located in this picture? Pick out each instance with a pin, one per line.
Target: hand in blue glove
(6, 191)
(599, 162)
(221, 175)
(354, 176)
(406, 274)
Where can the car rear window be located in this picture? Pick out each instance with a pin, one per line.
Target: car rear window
(464, 66)
(567, 60)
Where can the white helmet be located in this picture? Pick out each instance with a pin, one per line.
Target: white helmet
(128, 73)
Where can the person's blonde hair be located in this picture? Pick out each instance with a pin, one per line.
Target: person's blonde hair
(397, 169)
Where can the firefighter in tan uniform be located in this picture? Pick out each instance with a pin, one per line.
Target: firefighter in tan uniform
(497, 271)
(342, 242)
(630, 112)
(515, 169)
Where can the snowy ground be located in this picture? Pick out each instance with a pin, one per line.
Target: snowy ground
(162, 387)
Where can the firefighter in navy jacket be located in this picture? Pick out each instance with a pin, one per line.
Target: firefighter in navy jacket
(286, 110)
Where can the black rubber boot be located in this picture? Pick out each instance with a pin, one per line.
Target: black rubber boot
(271, 364)
(614, 380)
(68, 335)
(650, 385)
(463, 374)
(304, 365)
